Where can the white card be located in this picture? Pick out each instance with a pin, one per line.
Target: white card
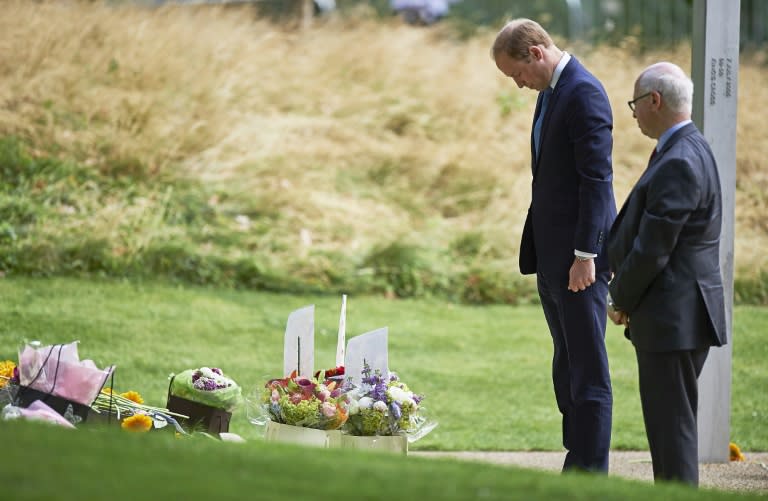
(299, 345)
(370, 347)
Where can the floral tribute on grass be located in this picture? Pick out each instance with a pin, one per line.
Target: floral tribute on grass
(207, 396)
(129, 409)
(52, 384)
(207, 386)
(385, 406)
(319, 402)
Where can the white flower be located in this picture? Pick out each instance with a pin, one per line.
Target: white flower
(354, 407)
(399, 395)
(380, 406)
(365, 402)
(355, 393)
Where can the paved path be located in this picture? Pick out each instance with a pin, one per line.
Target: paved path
(750, 475)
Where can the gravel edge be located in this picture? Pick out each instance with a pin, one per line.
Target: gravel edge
(750, 475)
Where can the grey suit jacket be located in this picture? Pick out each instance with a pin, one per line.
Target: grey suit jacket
(664, 250)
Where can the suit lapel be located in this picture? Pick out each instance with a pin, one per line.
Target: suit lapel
(682, 132)
(553, 99)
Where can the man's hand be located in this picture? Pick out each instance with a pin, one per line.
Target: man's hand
(582, 274)
(618, 317)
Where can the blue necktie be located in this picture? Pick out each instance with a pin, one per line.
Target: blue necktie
(539, 119)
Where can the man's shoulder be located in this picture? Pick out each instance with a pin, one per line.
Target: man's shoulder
(576, 75)
(688, 138)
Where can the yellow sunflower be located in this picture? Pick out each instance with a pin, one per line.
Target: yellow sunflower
(6, 370)
(137, 422)
(133, 396)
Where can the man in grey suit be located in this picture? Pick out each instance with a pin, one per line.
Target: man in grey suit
(666, 288)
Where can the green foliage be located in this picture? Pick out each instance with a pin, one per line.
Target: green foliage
(509, 102)
(751, 289)
(402, 269)
(169, 229)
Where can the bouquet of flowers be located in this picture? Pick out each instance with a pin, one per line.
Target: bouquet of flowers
(8, 372)
(133, 414)
(317, 403)
(9, 382)
(385, 406)
(207, 386)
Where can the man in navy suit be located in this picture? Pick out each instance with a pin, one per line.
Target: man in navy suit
(664, 250)
(572, 208)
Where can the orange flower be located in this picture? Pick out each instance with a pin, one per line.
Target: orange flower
(137, 422)
(106, 391)
(133, 396)
(735, 452)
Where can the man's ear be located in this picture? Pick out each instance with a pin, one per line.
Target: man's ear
(655, 98)
(536, 52)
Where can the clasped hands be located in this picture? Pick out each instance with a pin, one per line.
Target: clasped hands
(618, 317)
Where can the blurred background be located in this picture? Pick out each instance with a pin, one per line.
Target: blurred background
(652, 21)
(319, 146)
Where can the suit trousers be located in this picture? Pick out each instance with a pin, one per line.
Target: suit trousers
(580, 373)
(669, 396)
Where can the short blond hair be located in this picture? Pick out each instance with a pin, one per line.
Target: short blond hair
(517, 36)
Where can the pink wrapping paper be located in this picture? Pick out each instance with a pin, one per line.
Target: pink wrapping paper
(39, 411)
(58, 370)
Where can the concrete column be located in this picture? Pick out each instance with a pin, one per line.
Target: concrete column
(715, 72)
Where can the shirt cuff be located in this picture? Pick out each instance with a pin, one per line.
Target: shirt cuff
(585, 255)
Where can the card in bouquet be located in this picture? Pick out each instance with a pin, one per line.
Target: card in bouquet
(369, 349)
(299, 342)
(298, 435)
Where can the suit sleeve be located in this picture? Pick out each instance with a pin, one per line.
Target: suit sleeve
(590, 128)
(673, 194)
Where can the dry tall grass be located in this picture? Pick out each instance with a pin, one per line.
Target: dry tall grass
(351, 134)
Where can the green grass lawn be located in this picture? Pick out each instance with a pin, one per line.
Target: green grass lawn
(484, 370)
(42, 462)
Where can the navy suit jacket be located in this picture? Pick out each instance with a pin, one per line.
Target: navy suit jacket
(664, 250)
(572, 202)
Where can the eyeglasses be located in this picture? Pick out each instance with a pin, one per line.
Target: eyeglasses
(631, 104)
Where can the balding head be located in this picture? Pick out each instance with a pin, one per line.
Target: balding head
(672, 83)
